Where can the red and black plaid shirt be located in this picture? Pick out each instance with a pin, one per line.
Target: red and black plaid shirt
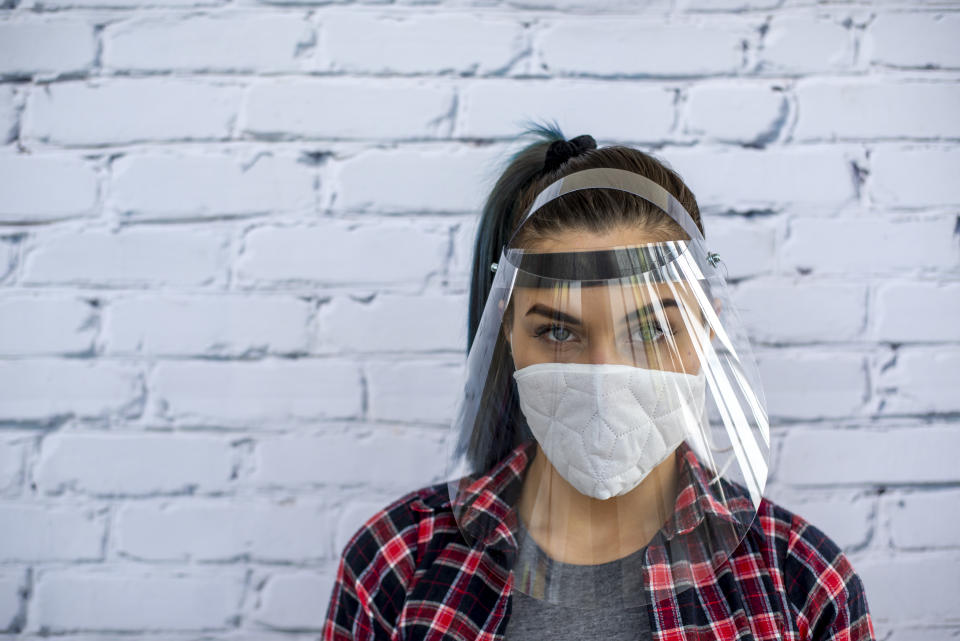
(410, 574)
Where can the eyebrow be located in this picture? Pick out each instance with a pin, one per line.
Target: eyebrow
(646, 309)
(553, 314)
(549, 312)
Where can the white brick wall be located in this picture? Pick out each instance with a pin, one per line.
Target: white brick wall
(234, 251)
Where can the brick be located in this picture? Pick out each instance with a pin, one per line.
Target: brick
(932, 599)
(414, 391)
(347, 108)
(609, 110)
(464, 239)
(424, 323)
(369, 43)
(140, 463)
(920, 40)
(336, 252)
(924, 519)
(45, 325)
(9, 251)
(11, 590)
(38, 389)
(251, 393)
(9, 117)
(123, 111)
(176, 186)
(207, 43)
(25, 46)
(914, 177)
(409, 180)
(806, 44)
(750, 179)
(27, 197)
(646, 6)
(812, 384)
(221, 325)
(788, 311)
(896, 245)
(727, 5)
(389, 458)
(130, 257)
(746, 247)
(920, 381)
(12, 458)
(736, 112)
(906, 312)
(294, 600)
(624, 46)
(51, 533)
(122, 4)
(862, 457)
(856, 110)
(220, 530)
(114, 599)
(846, 517)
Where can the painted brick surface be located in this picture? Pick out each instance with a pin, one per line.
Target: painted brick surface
(46, 325)
(608, 110)
(28, 198)
(12, 457)
(8, 114)
(11, 586)
(172, 186)
(846, 109)
(235, 248)
(140, 464)
(209, 43)
(131, 110)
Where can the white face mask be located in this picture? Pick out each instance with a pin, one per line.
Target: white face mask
(605, 427)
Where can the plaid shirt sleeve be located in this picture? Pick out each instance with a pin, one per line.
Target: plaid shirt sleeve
(376, 568)
(821, 584)
(343, 622)
(376, 565)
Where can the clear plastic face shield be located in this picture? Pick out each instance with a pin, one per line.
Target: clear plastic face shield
(612, 443)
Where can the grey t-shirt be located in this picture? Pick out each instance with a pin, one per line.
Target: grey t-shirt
(576, 602)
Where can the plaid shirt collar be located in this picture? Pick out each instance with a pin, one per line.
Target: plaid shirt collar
(485, 510)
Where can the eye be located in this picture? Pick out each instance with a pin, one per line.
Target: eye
(648, 333)
(555, 334)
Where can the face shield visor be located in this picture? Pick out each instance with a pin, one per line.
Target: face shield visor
(612, 443)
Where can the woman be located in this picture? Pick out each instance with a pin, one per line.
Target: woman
(611, 447)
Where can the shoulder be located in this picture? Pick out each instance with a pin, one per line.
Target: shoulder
(824, 591)
(379, 562)
(392, 540)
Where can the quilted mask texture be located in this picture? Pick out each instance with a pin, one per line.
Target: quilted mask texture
(605, 427)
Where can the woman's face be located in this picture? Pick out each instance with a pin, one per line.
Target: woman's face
(655, 325)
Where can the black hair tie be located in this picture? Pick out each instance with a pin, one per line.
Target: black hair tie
(560, 151)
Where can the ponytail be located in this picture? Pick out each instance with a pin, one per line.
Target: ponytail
(499, 215)
(500, 426)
